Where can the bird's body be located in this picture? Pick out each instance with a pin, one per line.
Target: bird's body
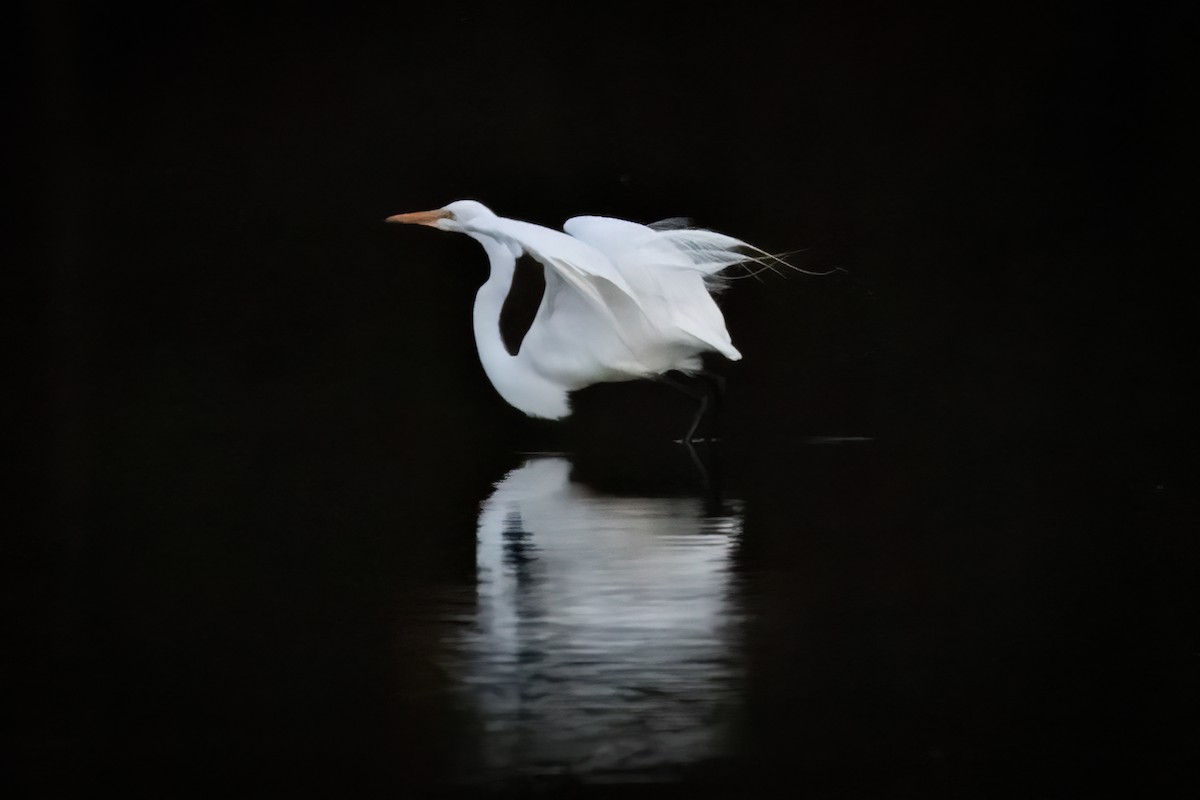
(622, 301)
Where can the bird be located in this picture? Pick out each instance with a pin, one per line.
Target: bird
(622, 301)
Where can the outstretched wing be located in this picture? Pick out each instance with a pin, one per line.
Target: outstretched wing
(581, 266)
(671, 271)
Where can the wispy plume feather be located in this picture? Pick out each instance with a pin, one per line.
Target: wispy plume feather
(716, 254)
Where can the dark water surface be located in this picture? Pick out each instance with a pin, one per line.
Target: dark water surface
(286, 540)
(289, 607)
(603, 630)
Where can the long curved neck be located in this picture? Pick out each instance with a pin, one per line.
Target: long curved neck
(489, 301)
(514, 378)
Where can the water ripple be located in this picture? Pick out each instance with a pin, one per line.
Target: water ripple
(604, 632)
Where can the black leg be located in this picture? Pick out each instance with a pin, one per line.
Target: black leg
(690, 436)
(714, 387)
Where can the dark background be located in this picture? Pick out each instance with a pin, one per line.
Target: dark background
(262, 431)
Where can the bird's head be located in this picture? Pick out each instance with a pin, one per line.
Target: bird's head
(453, 217)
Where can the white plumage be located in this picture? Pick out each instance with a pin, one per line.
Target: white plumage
(622, 301)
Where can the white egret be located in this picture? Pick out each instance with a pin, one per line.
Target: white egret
(622, 301)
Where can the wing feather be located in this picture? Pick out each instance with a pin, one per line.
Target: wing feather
(673, 270)
(583, 267)
(587, 271)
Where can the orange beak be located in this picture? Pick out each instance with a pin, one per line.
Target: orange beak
(421, 217)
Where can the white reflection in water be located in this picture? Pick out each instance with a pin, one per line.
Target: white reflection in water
(603, 639)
